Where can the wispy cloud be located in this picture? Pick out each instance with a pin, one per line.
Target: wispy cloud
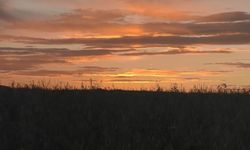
(14, 58)
(117, 22)
(30, 58)
(176, 52)
(226, 17)
(150, 41)
(158, 73)
(236, 64)
(58, 52)
(81, 71)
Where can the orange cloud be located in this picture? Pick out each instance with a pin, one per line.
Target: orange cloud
(158, 11)
(166, 73)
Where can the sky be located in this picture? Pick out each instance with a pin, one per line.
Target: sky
(125, 43)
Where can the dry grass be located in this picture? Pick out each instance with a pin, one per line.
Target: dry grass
(40, 118)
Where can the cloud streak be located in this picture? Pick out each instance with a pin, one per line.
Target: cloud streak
(26, 59)
(117, 22)
(58, 52)
(149, 41)
(177, 52)
(226, 17)
(12, 58)
(81, 71)
(236, 64)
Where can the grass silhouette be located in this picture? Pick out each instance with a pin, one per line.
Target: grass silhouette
(33, 118)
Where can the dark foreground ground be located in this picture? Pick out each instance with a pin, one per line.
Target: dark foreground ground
(119, 120)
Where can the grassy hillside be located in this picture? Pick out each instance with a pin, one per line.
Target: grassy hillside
(36, 119)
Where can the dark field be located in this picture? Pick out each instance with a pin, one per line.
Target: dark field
(35, 119)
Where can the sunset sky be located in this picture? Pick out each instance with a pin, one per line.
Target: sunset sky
(127, 44)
